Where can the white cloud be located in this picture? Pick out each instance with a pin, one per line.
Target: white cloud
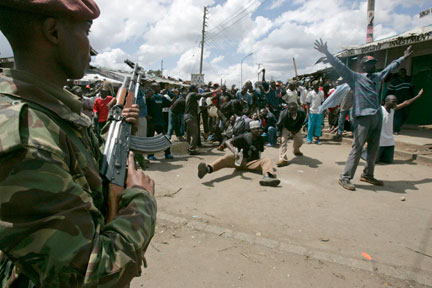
(276, 4)
(113, 58)
(152, 30)
(217, 59)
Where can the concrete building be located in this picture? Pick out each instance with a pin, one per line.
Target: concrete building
(418, 66)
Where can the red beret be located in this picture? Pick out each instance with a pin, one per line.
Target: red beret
(77, 9)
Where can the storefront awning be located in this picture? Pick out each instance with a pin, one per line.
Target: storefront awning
(417, 35)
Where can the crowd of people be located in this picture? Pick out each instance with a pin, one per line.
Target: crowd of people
(224, 116)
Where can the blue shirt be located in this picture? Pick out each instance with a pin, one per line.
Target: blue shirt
(272, 98)
(366, 87)
(247, 97)
(141, 101)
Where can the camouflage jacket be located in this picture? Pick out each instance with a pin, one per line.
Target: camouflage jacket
(52, 225)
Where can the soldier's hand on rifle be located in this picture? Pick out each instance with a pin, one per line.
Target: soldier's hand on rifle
(137, 178)
(131, 114)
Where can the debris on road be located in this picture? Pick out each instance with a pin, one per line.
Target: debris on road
(367, 256)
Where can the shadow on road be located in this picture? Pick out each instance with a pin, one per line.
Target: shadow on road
(405, 162)
(164, 166)
(306, 161)
(394, 186)
(235, 173)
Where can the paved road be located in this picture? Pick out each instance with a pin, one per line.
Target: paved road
(309, 219)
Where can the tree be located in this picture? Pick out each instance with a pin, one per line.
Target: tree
(154, 73)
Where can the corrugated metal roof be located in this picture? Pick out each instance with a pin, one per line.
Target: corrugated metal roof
(416, 35)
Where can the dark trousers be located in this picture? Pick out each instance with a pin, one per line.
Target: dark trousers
(386, 154)
(367, 129)
(174, 124)
(205, 120)
(192, 132)
(399, 118)
(159, 129)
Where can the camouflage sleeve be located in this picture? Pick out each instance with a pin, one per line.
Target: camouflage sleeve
(52, 230)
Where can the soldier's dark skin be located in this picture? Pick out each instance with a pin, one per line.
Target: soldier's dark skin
(59, 49)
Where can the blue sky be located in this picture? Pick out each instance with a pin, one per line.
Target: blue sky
(275, 31)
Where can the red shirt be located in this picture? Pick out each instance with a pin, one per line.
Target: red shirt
(100, 107)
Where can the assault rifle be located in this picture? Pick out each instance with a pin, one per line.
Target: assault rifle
(120, 141)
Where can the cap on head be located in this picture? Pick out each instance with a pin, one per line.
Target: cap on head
(254, 125)
(76, 9)
(368, 59)
(107, 86)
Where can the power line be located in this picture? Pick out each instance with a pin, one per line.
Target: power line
(236, 14)
(217, 33)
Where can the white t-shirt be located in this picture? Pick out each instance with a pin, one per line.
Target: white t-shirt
(303, 94)
(387, 138)
(315, 99)
(290, 96)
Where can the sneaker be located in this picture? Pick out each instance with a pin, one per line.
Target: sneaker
(151, 158)
(268, 181)
(282, 163)
(269, 145)
(371, 180)
(202, 170)
(318, 142)
(220, 148)
(346, 183)
(298, 154)
(309, 142)
(193, 152)
(169, 157)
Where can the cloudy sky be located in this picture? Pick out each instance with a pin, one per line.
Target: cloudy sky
(275, 31)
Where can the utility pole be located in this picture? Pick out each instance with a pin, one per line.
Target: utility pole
(241, 69)
(370, 26)
(259, 70)
(161, 68)
(202, 39)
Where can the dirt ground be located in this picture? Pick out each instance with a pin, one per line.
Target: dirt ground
(227, 231)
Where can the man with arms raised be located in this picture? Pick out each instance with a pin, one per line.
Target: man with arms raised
(52, 202)
(366, 113)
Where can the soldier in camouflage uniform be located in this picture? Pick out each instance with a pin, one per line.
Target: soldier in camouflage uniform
(52, 201)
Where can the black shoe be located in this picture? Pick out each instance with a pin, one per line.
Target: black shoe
(346, 183)
(202, 170)
(193, 152)
(371, 180)
(268, 181)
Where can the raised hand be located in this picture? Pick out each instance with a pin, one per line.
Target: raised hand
(320, 46)
(408, 52)
(420, 92)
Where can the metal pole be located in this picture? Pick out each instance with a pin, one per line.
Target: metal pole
(259, 70)
(295, 69)
(241, 69)
(161, 68)
(202, 39)
(370, 26)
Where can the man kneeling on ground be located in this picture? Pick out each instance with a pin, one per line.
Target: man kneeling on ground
(251, 144)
